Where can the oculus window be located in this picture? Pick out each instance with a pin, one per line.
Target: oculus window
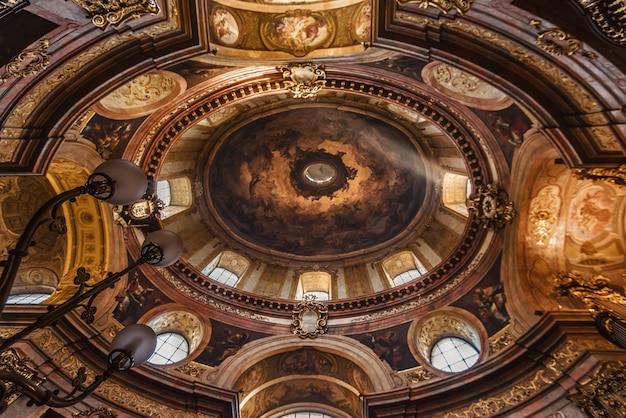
(453, 354)
(171, 348)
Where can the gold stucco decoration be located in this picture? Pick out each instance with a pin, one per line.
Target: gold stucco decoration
(115, 12)
(459, 80)
(27, 62)
(615, 176)
(309, 318)
(605, 394)
(491, 206)
(558, 42)
(461, 6)
(304, 81)
(544, 208)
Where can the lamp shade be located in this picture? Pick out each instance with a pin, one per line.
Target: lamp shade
(170, 245)
(137, 340)
(129, 181)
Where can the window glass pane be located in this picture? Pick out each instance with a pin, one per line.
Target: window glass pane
(453, 354)
(171, 347)
(222, 275)
(27, 298)
(406, 277)
(163, 191)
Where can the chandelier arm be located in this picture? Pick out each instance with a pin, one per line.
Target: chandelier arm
(59, 311)
(12, 264)
(42, 396)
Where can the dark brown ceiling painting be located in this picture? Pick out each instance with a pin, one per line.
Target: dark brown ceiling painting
(317, 181)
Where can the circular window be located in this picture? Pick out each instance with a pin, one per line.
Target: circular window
(171, 348)
(27, 298)
(453, 354)
(320, 173)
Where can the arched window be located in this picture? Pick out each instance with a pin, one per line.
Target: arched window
(227, 268)
(314, 284)
(453, 354)
(456, 190)
(402, 268)
(27, 298)
(175, 194)
(304, 414)
(171, 347)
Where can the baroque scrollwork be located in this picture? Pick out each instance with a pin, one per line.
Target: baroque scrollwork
(605, 394)
(310, 318)
(28, 62)
(558, 42)
(419, 375)
(461, 6)
(305, 80)
(491, 206)
(115, 12)
(615, 176)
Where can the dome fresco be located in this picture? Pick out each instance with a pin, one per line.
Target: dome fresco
(262, 182)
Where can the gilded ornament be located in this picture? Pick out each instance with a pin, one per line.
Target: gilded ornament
(615, 176)
(304, 81)
(500, 341)
(609, 18)
(491, 205)
(461, 6)
(605, 394)
(558, 42)
(418, 375)
(115, 12)
(6, 4)
(10, 361)
(96, 412)
(592, 292)
(542, 215)
(27, 62)
(458, 80)
(309, 318)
